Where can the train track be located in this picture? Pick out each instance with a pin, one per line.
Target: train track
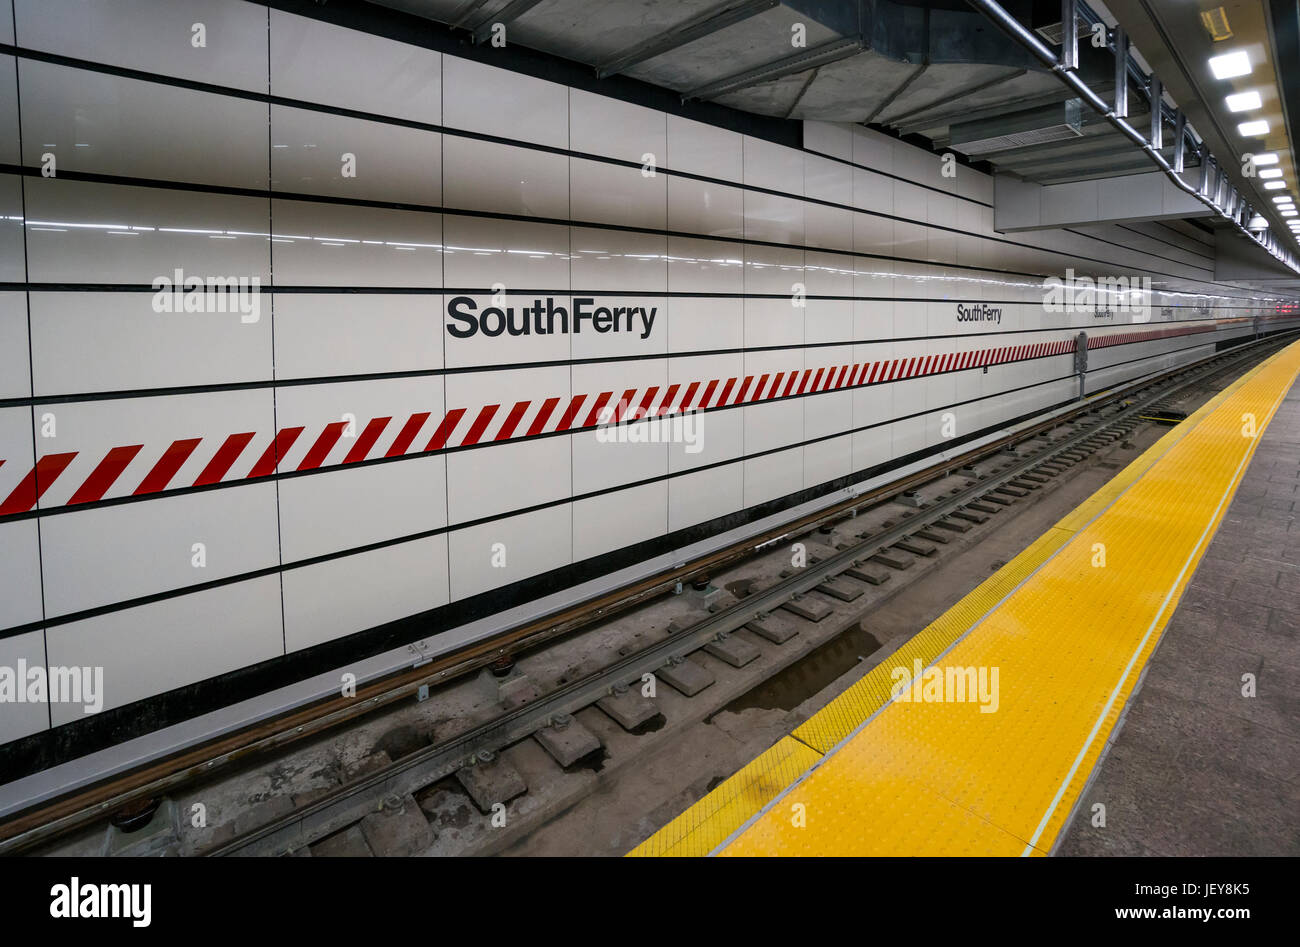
(1031, 460)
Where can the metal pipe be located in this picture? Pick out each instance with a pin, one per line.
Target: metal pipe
(1157, 114)
(1017, 31)
(1121, 73)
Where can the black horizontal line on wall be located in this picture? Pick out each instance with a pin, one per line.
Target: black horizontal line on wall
(271, 289)
(1158, 256)
(1202, 244)
(123, 180)
(84, 614)
(261, 384)
(1151, 236)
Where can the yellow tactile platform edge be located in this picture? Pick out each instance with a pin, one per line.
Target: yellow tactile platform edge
(702, 827)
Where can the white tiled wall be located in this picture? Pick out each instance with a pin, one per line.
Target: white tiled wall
(466, 176)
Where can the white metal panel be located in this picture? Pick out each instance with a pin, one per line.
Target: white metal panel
(705, 266)
(707, 150)
(22, 719)
(86, 232)
(506, 550)
(772, 322)
(102, 555)
(704, 495)
(93, 122)
(482, 252)
(482, 98)
(827, 460)
(343, 509)
(338, 156)
(618, 519)
(13, 259)
(338, 597)
(84, 342)
(705, 207)
(8, 107)
(343, 245)
(773, 218)
(322, 334)
(619, 261)
(601, 125)
(20, 565)
(320, 62)
(504, 179)
(155, 36)
(773, 167)
(698, 324)
(15, 357)
(171, 643)
(774, 475)
(615, 194)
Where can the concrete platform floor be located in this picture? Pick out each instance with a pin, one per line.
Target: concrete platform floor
(1199, 767)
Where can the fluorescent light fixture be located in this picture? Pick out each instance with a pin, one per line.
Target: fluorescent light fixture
(1274, 185)
(1261, 160)
(1271, 173)
(1244, 101)
(1289, 213)
(1252, 129)
(1283, 199)
(1230, 65)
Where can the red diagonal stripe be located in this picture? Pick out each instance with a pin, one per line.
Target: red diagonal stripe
(690, 393)
(543, 415)
(37, 481)
(776, 385)
(266, 464)
(789, 385)
(324, 444)
(407, 434)
(621, 407)
(744, 387)
(445, 427)
(708, 392)
(643, 409)
(104, 474)
(374, 427)
(571, 412)
(485, 416)
(666, 405)
(170, 462)
(512, 420)
(222, 460)
(726, 390)
(593, 416)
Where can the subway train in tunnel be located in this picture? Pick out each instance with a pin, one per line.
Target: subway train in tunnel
(326, 351)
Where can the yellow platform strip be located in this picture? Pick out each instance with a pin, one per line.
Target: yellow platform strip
(721, 813)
